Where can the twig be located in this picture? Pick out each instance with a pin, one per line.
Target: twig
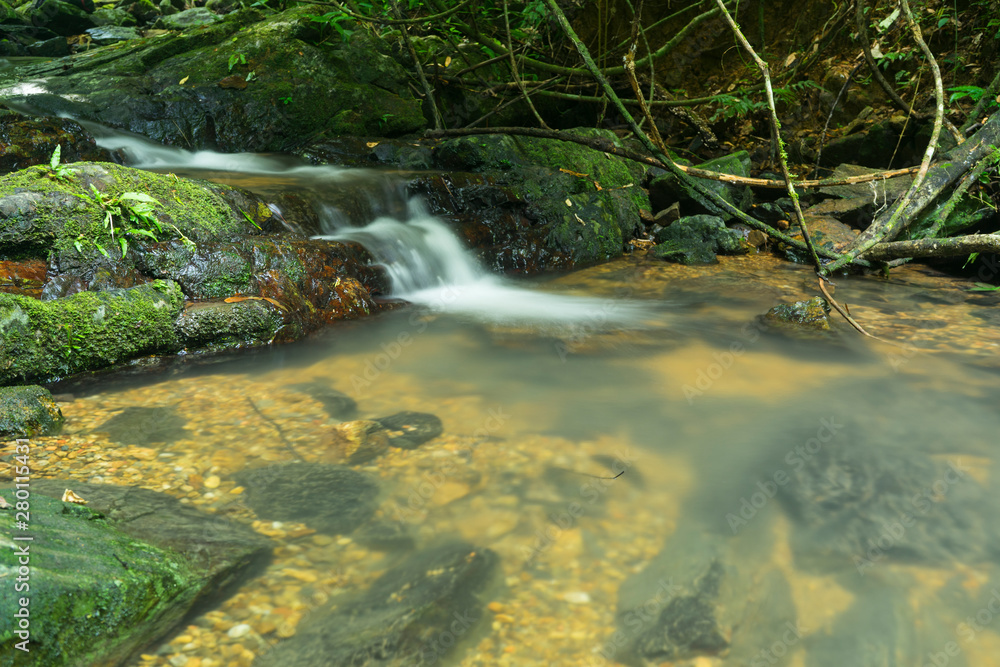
(845, 314)
(513, 69)
(775, 130)
(886, 228)
(274, 425)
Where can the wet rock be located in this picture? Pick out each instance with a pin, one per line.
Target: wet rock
(56, 47)
(26, 141)
(700, 597)
(64, 18)
(47, 340)
(826, 232)
(409, 430)
(697, 239)
(148, 561)
(385, 536)
(27, 412)
(357, 441)
(228, 326)
(564, 211)
(145, 426)
(286, 104)
(26, 277)
(189, 18)
(412, 615)
(337, 404)
(110, 16)
(811, 315)
(667, 189)
(102, 36)
(331, 499)
(860, 502)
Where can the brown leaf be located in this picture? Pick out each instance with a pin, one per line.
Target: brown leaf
(234, 81)
(70, 497)
(272, 301)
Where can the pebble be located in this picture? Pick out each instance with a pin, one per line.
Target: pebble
(212, 482)
(577, 597)
(238, 631)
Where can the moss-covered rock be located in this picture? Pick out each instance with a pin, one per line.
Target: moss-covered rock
(108, 578)
(26, 141)
(45, 340)
(26, 412)
(811, 315)
(667, 189)
(41, 213)
(229, 325)
(580, 201)
(299, 89)
(696, 240)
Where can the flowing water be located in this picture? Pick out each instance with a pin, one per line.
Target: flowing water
(618, 437)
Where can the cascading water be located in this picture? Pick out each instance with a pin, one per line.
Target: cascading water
(426, 262)
(429, 266)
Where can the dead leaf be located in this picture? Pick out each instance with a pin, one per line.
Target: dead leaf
(273, 302)
(572, 173)
(233, 81)
(447, 61)
(183, 81)
(4, 505)
(569, 203)
(371, 144)
(70, 497)
(237, 299)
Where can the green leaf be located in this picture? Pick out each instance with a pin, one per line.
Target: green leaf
(250, 220)
(138, 196)
(56, 156)
(941, 22)
(124, 244)
(101, 248)
(143, 232)
(984, 287)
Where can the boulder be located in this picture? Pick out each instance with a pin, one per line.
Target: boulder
(113, 576)
(189, 18)
(331, 499)
(27, 412)
(666, 189)
(697, 239)
(112, 34)
(44, 341)
(63, 17)
(26, 141)
(168, 88)
(412, 615)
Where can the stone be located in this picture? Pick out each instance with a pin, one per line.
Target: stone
(55, 47)
(189, 18)
(144, 426)
(409, 430)
(696, 240)
(667, 189)
(110, 16)
(112, 34)
(336, 403)
(27, 412)
(811, 315)
(412, 615)
(148, 561)
(332, 499)
(358, 441)
(219, 325)
(63, 17)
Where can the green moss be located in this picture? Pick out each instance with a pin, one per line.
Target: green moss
(45, 340)
(49, 213)
(26, 412)
(86, 606)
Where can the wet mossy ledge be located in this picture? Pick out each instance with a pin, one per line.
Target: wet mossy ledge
(217, 271)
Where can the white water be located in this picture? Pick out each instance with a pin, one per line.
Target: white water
(429, 266)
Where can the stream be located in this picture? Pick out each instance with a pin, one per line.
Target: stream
(662, 477)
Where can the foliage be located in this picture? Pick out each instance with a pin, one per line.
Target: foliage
(59, 171)
(127, 214)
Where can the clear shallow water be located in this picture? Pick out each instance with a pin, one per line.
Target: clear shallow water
(846, 488)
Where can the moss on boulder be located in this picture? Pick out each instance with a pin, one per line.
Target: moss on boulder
(46, 340)
(26, 412)
(194, 88)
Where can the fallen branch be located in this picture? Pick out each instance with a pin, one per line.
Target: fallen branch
(957, 246)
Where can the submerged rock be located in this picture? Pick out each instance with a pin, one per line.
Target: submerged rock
(409, 430)
(139, 562)
(859, 503)
(337, 404)
(27, 412)
(411, 616)
(144, 426)
(701, 597)
(358, 441)
(331, 499)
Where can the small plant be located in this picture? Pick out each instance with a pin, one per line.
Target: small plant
(127, 214)
(236, 59)
(286, 100)
(59, 171)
